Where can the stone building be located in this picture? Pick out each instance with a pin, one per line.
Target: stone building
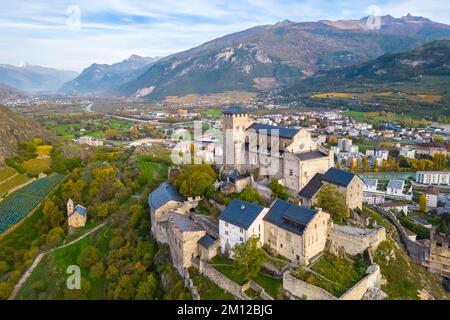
(295, 232)
(208, 247)
(183, 237)
(438, 261)
(76, 215)
(162, 201)
(285, 153)
(350, 185)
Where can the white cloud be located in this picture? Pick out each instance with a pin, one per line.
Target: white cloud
(111, 30)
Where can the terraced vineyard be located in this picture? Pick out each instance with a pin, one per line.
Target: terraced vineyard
(20, 203)
(12, 182)
(6, 173)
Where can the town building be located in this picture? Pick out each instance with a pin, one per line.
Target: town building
(297, 233)
(345, 144)
(430, 150)
(76, 215)
(348, 184)
(239, 222)
(433, 177)
(432, 195)
(89, 141)
(407, 152)
(396, 189)
(286, 153)
(397, 206)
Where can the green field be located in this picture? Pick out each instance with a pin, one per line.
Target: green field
(13, 182)
(213, 113)
(152, 172)
(206, 288)
(37, 165)
(48, 281)
(6, 173)
(94, 127)
(340, 274)
(271, 285)
(21, 202)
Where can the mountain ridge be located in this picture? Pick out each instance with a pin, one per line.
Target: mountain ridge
(34, 78)
(270, 56)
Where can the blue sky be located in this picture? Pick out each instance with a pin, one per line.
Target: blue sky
(44, 32)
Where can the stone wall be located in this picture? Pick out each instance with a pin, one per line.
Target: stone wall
(416, 250)
(256, 287)
(300, 288)
(356, 240)
(372, 280)
(222, 281)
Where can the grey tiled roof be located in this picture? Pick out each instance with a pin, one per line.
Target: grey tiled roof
(338, 177)
(289, 216)
(310, 155)
(241, 213)
(207, 241)
(396, 184)
(274, 130)
(162, 195)
(312, 187)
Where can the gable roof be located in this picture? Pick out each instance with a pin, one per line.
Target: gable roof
(310, 155)
(235, 175)
(274, 130)
(235, 109)
(289, 216)
(80, 210)
(312, 187)
(338, 177)
(371, 182)
(207, 241)
(162, 195)
(396, 184)
(241, 213)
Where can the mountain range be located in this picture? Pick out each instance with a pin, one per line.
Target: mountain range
(271, 56)
(431, 59)
(104, 78)
(31, 78)
(8, 93)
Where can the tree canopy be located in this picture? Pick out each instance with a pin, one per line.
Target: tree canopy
(333, 202)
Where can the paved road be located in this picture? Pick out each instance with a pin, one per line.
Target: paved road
(38, 259)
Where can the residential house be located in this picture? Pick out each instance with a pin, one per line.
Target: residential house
(433, 177)
(239, 222)
(432, 195)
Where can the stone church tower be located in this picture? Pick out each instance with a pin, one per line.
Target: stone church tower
(70, 207)
(235, 122)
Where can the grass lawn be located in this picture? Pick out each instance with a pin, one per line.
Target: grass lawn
(341, 273)
(48, 281)
(404, 277)
(213, 113)
(206, 288)
(38, 165)
(253, 294)
(6, 173)
(152, 172)
(272, 285)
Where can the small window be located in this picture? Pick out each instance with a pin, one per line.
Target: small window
(241, 239)
(226, 233)
(226, 224)
(291, 172)
(241, 230)
(281, 245)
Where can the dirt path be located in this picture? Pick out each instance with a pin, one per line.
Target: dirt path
(38, 259)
